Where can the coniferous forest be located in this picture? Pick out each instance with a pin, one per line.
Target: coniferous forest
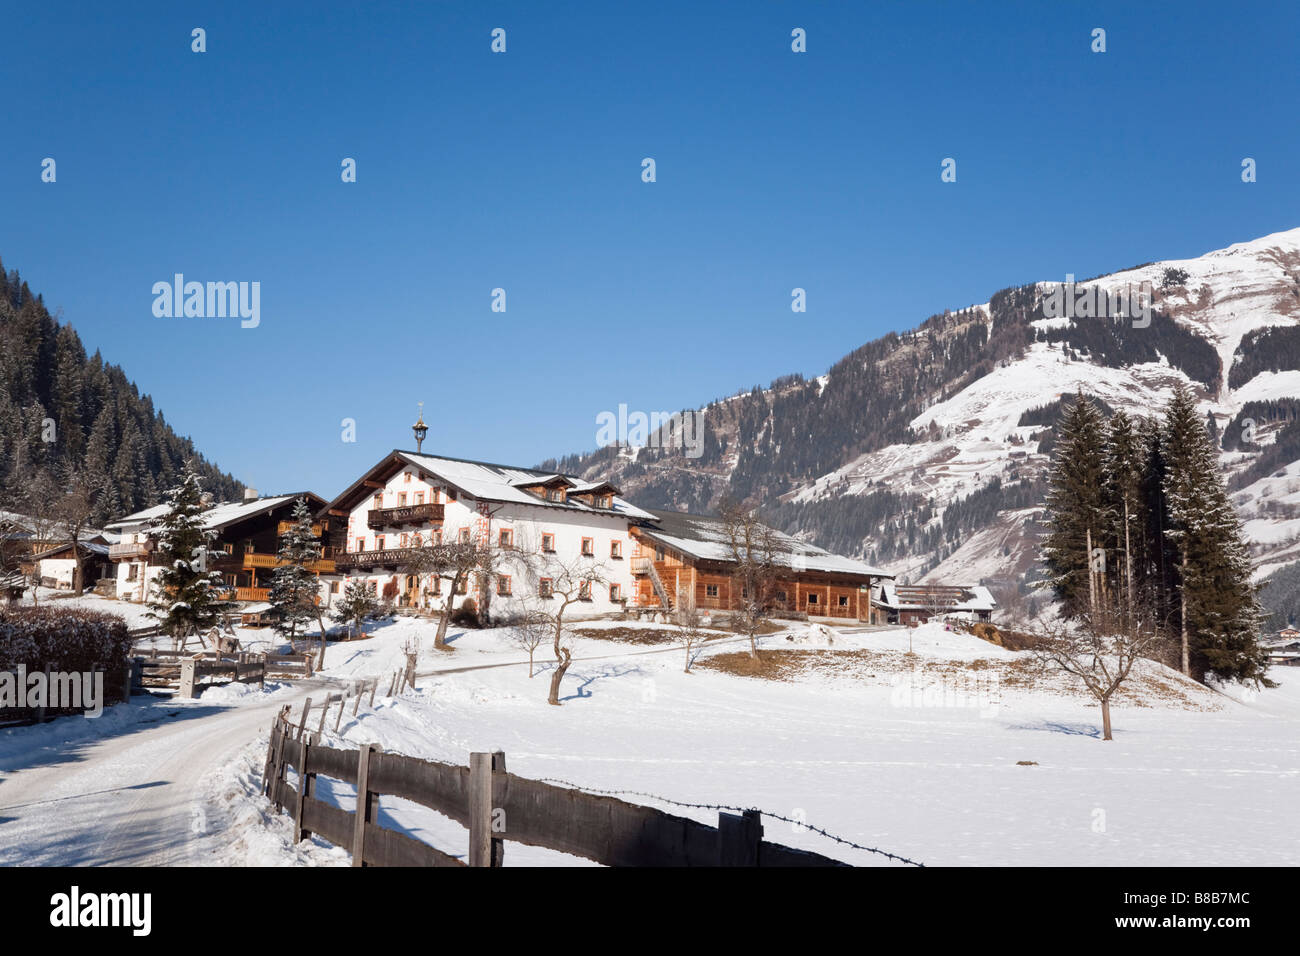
(1137, 508)
(64, 413)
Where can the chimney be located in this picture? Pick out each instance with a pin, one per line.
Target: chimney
(250, 494)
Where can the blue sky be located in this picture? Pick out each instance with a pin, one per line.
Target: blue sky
(522, 171)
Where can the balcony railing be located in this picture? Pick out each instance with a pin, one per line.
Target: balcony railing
(388, 557)
(407, 514)
(135, 549)
(284, 526)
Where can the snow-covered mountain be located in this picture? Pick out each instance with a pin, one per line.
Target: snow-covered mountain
(925, 450)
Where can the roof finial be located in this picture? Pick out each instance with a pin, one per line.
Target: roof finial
(420, 429)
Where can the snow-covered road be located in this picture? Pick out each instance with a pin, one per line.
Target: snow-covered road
(125, 794)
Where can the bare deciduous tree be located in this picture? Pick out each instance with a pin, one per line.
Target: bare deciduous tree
(1099, 648)
(569, 582)
(529, 632)
(753, 549)
(80, 499)
(690, 624)
(455, 562)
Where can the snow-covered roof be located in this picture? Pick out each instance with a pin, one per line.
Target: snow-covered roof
(216, 517)
(89, 547)
(504, 483)
(705, 538)
(929, 597)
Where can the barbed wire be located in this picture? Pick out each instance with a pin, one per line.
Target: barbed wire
(723, 806)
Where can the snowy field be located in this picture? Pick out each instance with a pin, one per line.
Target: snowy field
(956, 754)
(921, 756)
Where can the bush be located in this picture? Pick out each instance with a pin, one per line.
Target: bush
(466, 615)
(65, 639)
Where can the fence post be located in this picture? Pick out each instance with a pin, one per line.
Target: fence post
(365, 806)
(343, 702)
(304, 782)
(738, 838)
(374, 686)
(306, 708)
(186, 691)
(324, 712)
(484, 849)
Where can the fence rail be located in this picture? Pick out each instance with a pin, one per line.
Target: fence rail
(495, 806)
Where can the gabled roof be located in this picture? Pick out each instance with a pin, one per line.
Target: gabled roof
(705, 538)
(935, 597)
(86, 547)
(224, 514)
(481, 480)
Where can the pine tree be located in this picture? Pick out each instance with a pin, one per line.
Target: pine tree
(360, 603)
(1076, 506)
(294, 588)
(186, 596)
(1217, 610)
(1123, 492)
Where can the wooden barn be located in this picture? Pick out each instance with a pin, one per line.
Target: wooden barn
(918, 603)
(677, 554)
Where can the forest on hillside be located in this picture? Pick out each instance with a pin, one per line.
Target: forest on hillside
(65, 414)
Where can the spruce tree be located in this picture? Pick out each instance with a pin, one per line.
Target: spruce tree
(186, 596)
(1076, 505)
(1123, 467)
(294, 588)
(1217, 610)
(360, 602)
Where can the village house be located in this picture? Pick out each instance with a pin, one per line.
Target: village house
(248, 532)
(918, 603)
(541, 527)
(678, 557)
(57, 566)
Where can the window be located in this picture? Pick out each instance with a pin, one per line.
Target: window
(602, 501)
(812, 599)
(462, 586)
(544, 588)
(711, 590)
(131, 571)
(659, 552)
(503, 585)
(334, 587)
(844, 600)
(616, 550)
(555, 494)
(436, 583)
(379, 542)
(584, 591)
(615, 593)
(361, 544)
(588, 547)
(378, 501)
(451, 494)
(464, 536)
(228, 548)
(407, 477)
(419, 497)
(548, 542)
(406, 540)
(781, 596)
(506, 538)
(401, 499)
(417, 540)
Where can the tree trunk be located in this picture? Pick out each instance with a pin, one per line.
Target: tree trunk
(1092, 576)
(563, 656)
(1105, 719)
(78, 582)
(440, 637)
(320, 621)
(1128, 560)
(1182, 592)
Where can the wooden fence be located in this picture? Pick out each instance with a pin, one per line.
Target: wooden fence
(163, 667)
(495, 806)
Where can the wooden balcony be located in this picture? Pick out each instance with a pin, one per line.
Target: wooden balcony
(284, 526)
(380, 518)
(125, 552)
(254, 559)
(387, 558)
